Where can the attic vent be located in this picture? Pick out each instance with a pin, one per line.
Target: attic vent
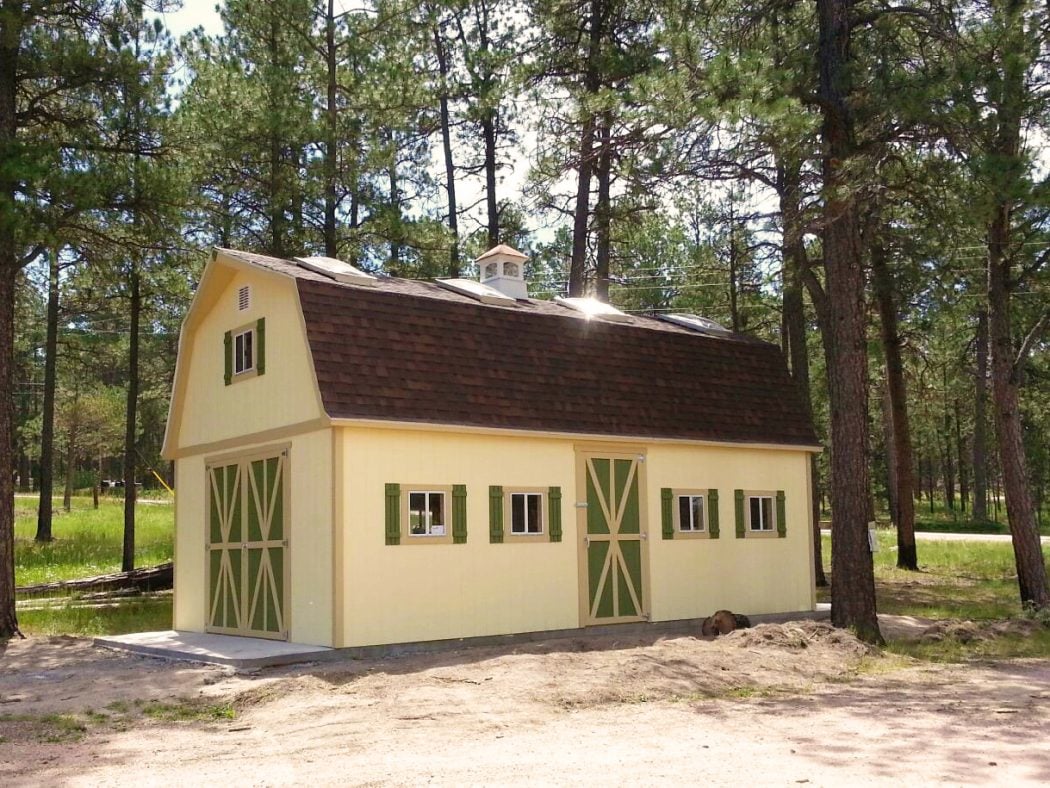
(703, 325)
(337, 270)
(592, 307)
(244, 299)
(475, 290)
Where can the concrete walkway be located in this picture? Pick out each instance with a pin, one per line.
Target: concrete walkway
(237, 652)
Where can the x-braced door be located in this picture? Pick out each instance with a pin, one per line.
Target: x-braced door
(247, 541)
(614, 552)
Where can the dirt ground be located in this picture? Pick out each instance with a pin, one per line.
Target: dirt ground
(780, 704)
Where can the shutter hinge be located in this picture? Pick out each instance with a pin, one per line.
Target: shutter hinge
(580, 505)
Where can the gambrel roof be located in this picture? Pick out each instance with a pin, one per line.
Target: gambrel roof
(412, 351)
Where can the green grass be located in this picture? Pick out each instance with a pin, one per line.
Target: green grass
(87, 541)
(186, 710)
(41, 728)
(141, 614)
(1036, 645)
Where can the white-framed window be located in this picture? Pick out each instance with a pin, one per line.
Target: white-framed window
(692, 513)
(491, 270)
(244, 351)
(511, 269)
(244, 298)
(761, 514)
(526, 513)
(428, 513)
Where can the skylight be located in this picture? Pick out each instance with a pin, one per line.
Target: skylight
(703, 325)
(337, 270)
(475, 290)
(592, 307)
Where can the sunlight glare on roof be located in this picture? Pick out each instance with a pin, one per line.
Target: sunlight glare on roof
(592, 307)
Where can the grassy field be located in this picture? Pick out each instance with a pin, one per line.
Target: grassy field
(88, 542)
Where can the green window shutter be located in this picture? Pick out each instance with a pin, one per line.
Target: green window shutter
(496, 514)
(393, 514)
(667, 512)
(554, 507)
(712, 513)
(459, 513)
(260, 346)
(781, 515)
(228, 341)
(739, 495)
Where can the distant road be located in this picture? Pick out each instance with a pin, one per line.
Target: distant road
(939, 536)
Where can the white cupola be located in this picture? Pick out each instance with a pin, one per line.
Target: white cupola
(503, 268)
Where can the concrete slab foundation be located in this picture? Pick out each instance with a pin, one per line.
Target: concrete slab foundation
(247, 653)
(237, 652)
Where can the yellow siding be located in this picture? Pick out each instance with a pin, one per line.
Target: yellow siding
(426, 592)
(211, 411)
(309, 596)
(429, 592)
(691, 578)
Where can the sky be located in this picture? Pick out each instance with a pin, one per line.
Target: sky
(193, 13)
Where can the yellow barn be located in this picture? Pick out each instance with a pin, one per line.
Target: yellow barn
(370, 460)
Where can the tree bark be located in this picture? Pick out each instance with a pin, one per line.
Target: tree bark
(128, 554)
(331, 150)
(960, 448)
(603, 210)
(790, 195)
(585, 167)
(488, 133)
(853, 579)
(980, 422)
(47, 428)
(1006, 365)
(446, 147)
(891, 456)
(897, 392)
(12, 22)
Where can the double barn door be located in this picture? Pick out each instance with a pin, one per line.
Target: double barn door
(247, 546)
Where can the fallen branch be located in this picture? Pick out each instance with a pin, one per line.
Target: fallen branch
(154, 578)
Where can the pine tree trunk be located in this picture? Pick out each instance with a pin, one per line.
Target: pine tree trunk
(960, 448)
(1020, 512)
(446, 147)
(585, 167)
(897, 392)
(789, 192)
(488, 133)
(1028, 554)
(71, 458)
(128, 554)
(892, 504)
(853, 579)
(603, 210)
(980, 431)
(47, 430)
(331, 150)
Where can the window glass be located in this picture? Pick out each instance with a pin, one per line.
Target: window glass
(526, 513)
(510, 269)
(691, 512)
(761, 513)
(243, 361)
(417, 513)
(534, 508)
(491, 270)
(436, 509)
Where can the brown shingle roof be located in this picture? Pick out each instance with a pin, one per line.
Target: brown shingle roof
(412, 351)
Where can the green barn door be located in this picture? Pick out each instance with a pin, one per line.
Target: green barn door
(613, 555)
(247, 547)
